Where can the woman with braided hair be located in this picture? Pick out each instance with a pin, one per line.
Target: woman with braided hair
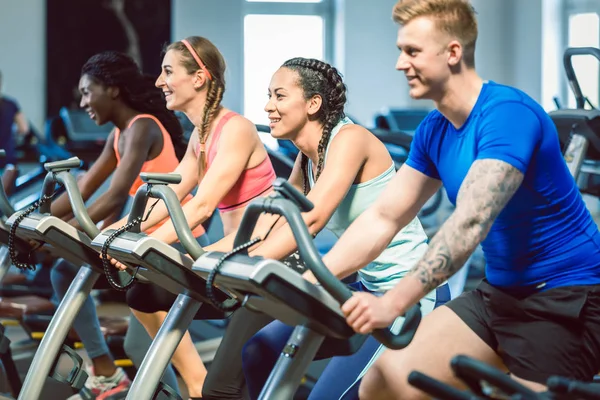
(342, 168)
(147, 138)
(226, 161)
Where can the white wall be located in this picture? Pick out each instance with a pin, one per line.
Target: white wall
(553, 46)
(509, 49)
(220, 21)
(492, 54)
(369, 58)
(23, 55)
(526, 45)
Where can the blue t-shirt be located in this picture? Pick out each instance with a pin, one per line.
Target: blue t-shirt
(545, 235)
(8, 109)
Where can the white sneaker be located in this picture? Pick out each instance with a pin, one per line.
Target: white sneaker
(101, 387)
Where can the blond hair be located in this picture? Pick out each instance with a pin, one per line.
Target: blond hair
(213, 61)
(453, 17)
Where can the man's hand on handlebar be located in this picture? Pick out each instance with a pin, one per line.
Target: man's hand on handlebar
(365, 312)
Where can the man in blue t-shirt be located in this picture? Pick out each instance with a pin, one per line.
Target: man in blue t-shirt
(497, 154)
(10, 114)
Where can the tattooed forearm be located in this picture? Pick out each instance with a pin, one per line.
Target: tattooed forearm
(487, 188)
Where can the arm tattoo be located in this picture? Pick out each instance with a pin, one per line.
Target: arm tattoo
(486, 189)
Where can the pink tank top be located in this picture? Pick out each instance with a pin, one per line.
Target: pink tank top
(164, 163)
(252, 182)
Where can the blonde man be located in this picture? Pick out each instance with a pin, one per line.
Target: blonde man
(497, 154)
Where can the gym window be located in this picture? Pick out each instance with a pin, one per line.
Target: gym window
(274, 31)
(584, 31)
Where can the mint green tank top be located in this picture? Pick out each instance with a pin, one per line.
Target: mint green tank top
(405, 249)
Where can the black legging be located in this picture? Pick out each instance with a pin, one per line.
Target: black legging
(149, 298)
(225, 378)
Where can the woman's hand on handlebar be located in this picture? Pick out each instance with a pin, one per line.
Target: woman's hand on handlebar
(35, 245)
(365, 312)
(40, 247)
(309, 276)
(117, 264)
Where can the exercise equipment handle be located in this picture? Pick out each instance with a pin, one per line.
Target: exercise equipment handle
(5, 207)
(59, 172)
(437, 389)
(572, 78)
(289, 210)
(63, 165)
(561, 385)
(157, 188)
(160, 179)
(473, 371)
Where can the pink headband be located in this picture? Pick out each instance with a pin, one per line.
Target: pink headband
(198, 60)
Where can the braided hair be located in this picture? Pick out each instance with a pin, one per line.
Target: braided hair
(215, 63)
(137, 90)
(319, 78)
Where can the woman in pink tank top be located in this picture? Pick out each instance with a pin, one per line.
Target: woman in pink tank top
(147, 137)
(225, 160)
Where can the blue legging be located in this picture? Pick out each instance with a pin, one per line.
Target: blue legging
(340, 377)
(87, 326)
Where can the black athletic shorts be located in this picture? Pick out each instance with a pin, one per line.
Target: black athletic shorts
(537, 335)
(149, 298)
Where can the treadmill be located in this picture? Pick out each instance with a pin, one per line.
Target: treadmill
(268, 286)
(63, 241)
(6, 210)
(579, 128)
(151, 260)
(22, 249)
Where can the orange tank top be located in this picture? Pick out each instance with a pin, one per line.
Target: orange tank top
(165, 162)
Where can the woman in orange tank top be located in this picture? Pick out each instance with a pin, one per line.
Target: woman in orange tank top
(147, 137)
(225, 159)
